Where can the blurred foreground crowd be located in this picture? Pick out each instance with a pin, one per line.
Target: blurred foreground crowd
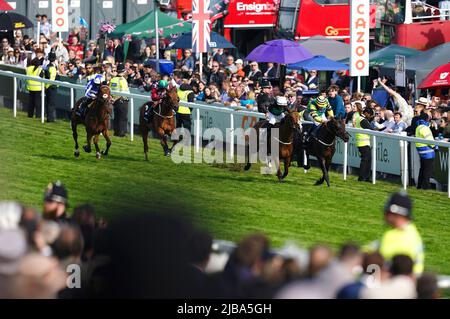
(52, 255)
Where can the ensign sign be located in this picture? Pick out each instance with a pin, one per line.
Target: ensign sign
(60, 15)
(251, 13)
(359, 37)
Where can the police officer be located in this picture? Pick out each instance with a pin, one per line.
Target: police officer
(362, 121)
(265, 98)
(403, 238)
(426, 152)
(50, 89)
(186, 94)
(34, 87)
(119, 83)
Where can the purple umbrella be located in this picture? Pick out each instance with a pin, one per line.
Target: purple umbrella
(280, 51)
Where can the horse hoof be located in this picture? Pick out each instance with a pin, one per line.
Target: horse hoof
(247, 167)
(104, 153)
(76, 153)
(86, 149)
(98, 155)
(319, 182)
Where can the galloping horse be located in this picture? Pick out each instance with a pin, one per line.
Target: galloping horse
(163, 121)
(322, 145)
(288, 125)
(96, 122)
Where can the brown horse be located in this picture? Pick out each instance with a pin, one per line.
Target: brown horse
(96, 122)
(322, 145)
(288, 125)
(163, 122)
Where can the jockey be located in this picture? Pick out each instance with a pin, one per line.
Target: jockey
(276, 110)
(91, 90)
(320, 110)
(158, 90)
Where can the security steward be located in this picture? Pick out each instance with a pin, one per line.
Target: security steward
(119, 84)
(51, 73)
(403, 238)
(426, 152)
(186, 94)
(34, 87)
(362, 121)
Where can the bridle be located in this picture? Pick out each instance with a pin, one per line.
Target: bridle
(166, 96)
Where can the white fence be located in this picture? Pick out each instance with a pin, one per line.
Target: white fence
(233, 112)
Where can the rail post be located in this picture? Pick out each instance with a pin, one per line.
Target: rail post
(374, 159)
(231, 135)
(72, 97)
(42, 102)
(405, 165)
(15, 97)
(448, 171)
(345, 160)
(197, 131)
(132, 119)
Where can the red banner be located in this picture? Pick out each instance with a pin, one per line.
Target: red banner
(252, 13)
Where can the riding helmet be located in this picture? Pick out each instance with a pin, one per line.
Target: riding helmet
(322, 101)
(163, 84)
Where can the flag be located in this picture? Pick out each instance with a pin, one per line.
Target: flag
(83, 22)
(201, 20)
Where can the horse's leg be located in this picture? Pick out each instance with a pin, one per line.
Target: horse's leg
(97, 149)
(327, 170)
(287, 163)
(163, 139)
(108, 142)
(87, 147)
(324, 170)
(145, 140)
(76, 153)
(247, 156)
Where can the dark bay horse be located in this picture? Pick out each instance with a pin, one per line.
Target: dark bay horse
(96, 122)
(163, 122)
(322, 145)
(288, 125)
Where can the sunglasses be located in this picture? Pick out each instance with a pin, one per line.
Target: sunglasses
(215, 66)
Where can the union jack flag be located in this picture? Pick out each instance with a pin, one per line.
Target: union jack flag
(201, 20)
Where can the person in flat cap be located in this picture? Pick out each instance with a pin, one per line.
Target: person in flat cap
(51, 73)
(403, 238)
(55, 202)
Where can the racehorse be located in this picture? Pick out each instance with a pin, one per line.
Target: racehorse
(288, 125)
(96, 122)
(322, 145)
(163, 122)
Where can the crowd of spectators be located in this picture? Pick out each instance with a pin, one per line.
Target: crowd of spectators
(162, 256)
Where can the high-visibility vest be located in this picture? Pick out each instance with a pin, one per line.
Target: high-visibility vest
(183, 95)
(52, 72)
(33, 85)
(119, 84)
(426, 151)
(406, 241)
(361, 139)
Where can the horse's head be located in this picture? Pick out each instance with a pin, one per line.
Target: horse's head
(293, 119)
(338, 128)
(172, 97)
(104, 93)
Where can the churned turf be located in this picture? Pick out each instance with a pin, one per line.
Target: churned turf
(223, 199)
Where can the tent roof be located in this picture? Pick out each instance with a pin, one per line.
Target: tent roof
(425, 62)
(332, 49)
(320, 63)
(387, 55)
(144, 26)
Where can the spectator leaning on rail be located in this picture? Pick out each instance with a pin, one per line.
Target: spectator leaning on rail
(426, 152)
(403, 238)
